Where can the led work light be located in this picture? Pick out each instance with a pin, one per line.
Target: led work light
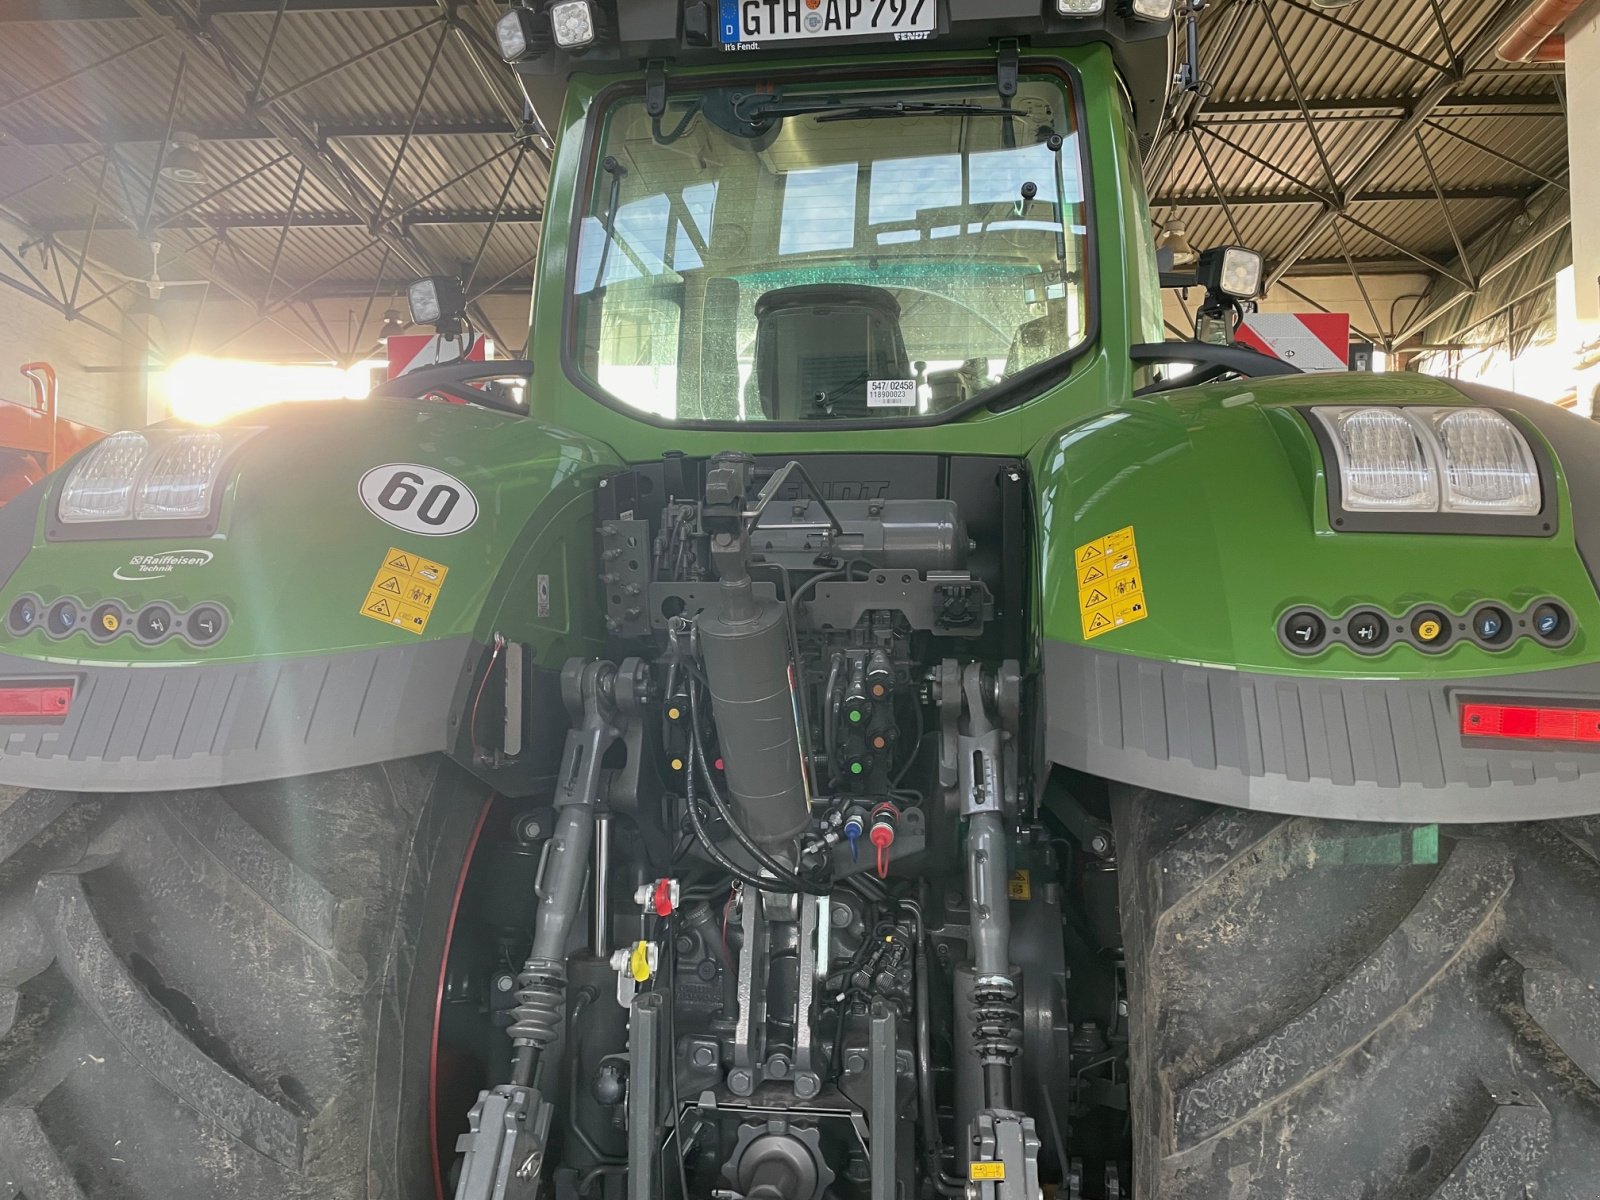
(157, 475)
(1451, 460)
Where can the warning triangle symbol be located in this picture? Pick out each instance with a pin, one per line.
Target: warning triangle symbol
(1096, 597)
(1090, 551)
(380, 606)
(400, 563)
(1092, 574)
(390, 584)
(1100, 621)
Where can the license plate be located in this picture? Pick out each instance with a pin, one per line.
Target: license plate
(748, 23)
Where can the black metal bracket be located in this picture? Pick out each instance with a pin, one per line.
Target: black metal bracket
(1210, 362)
(1008, 53)
(655, 87)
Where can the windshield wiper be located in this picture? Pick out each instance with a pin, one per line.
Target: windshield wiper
(842, 110)
(873, 112)
(614, 168)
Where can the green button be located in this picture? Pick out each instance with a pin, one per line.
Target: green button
(855, 768)
(855, 714)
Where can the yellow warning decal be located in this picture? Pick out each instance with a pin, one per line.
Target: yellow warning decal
(1020, 885)
(1110, 583)
(404, 590)
(987, 1170)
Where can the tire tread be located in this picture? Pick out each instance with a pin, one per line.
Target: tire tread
(1449, 1051)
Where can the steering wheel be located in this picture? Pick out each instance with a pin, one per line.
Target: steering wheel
(454, 379)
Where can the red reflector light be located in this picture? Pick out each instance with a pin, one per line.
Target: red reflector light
(1524, 722)
(50, 700)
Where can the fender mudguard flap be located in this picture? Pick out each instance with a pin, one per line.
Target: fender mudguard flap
(1348, 749)
(210, 725)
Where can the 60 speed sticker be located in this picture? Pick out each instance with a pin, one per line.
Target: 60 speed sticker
(418, 499)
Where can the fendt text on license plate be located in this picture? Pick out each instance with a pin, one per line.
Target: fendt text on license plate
(746, 23)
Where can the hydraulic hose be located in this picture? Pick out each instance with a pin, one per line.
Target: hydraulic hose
(782, 873)
(830, 714)
(703, 836)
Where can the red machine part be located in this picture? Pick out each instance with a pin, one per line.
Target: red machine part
(35, 440)
(885, 817)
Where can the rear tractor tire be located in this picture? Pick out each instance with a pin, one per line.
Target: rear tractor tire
(226, 993)
(1332, 1010)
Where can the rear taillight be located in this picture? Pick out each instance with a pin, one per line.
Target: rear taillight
(1531, 723)
(34, 701)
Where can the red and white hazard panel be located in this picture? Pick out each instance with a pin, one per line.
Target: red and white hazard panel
(1310, 341)
(409, 351)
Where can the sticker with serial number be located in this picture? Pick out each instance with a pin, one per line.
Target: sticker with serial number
(404, 590)
(986, 1170)
(891, 393)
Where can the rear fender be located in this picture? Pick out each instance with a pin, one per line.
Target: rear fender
(1212, 503)
(355, 612)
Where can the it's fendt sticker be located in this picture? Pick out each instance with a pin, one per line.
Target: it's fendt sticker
(404, 590)
(1110, 583)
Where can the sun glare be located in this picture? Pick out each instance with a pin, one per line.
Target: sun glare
(208, 390)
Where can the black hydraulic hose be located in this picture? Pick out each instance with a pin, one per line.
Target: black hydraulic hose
(925, 1100)
(756, 851)
(781, 873)
(830, 715)
(703, 836)
(916, 746)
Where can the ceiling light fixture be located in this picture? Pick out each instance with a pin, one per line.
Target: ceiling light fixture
(1172, 244)
(182, 162)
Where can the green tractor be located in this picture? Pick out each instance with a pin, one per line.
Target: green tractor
(838, 723)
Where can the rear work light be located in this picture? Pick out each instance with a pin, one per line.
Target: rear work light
(160, 474)
(34, 701)
(1530, 723)
(1406, 459)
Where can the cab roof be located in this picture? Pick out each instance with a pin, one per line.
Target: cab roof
(691, 33)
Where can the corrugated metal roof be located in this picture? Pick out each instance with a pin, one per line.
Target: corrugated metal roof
(1498, 138)
(1492, 146)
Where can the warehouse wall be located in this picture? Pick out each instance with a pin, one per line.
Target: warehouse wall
(1583, 98)
(100, 376)
(1395, 297)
